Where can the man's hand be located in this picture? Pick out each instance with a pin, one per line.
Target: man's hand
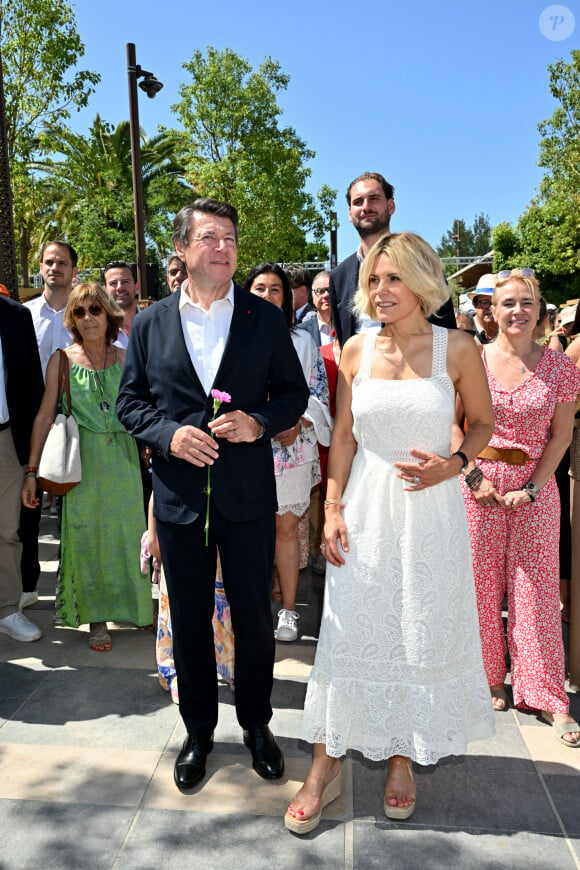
(194, 446)
(236, 426)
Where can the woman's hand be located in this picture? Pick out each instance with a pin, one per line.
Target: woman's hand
(486, 495)
(289, 436)
(515, 499)
(29, 499)
(429, 471)
(334, 531)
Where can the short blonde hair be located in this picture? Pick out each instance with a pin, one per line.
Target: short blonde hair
(418, 266)
(530, 281)
(93, 292)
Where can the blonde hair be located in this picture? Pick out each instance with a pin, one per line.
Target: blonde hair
(530, 281)
(93, 292)
(416, 263)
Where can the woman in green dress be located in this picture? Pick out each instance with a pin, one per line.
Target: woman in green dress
(102, 517)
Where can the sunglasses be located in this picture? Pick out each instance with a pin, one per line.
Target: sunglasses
(506, 273)
(94, 309)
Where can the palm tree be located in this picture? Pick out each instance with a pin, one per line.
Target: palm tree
(91, 191)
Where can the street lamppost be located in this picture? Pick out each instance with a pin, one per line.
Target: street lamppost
(151, 86)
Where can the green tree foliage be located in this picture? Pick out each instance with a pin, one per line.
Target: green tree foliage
(547, 235)
(238, 152)
(40, 47)
(88, 180)
(474, 241)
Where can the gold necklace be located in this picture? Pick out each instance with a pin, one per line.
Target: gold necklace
(103, 405)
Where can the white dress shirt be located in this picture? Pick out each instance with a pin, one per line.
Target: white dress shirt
(4, 415)
(206, 333)
(122, 339)
(327, 333)
(50, 332)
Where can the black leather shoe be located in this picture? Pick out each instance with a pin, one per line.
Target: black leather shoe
(267, 757)
(190, 763)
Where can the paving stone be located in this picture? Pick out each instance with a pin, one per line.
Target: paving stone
(379, 847)
(507, 746)
(69, 774)
(463, 793)
(61, 836)
(176, 840)
(565, 792)
(115, 708)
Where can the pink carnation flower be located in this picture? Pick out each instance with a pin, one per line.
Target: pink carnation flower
(221, 396)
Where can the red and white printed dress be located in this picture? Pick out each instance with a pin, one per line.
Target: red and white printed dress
(517, 550)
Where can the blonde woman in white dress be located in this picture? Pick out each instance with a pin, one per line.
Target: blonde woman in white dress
(398, 673)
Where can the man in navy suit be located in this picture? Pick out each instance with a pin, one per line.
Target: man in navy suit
(213, 334)
(371, 203)
(21, 389)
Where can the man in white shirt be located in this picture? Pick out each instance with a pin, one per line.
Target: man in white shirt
(213, 477)
(58, 267)
(320, 327)
(121, 285)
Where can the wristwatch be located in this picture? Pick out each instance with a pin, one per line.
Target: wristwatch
(463, 458)
(532, 489)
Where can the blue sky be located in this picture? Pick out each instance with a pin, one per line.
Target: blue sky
(442, 98)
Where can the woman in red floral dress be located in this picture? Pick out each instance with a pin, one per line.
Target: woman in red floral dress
(513, 507)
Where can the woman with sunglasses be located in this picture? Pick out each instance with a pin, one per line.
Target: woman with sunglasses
(514, 510)
(102, 517)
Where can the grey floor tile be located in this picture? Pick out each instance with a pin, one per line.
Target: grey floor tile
(177, 840)
(464, 793)
(113, 707)
(17, 683)
(288, 694)
(380, 848)
(61, 836)
(565, 792)
(506, 748)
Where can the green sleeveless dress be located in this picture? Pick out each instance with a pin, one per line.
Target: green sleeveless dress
(102, 518)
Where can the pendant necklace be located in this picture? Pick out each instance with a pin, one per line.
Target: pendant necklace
(104, 406)
(522, 366)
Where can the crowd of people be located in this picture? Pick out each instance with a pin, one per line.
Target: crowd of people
(420, 443)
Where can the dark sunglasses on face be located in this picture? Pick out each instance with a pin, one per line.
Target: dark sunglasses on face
(94, 309)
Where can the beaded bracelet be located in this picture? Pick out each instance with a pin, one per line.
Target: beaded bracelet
(474, 478)
(30, 474)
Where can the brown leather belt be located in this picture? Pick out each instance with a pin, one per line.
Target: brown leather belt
(502, 454)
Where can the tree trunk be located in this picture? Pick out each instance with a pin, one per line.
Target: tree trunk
(24, 250)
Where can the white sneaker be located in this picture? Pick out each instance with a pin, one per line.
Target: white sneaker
(18, 627)
(28, 598)
(287, 629)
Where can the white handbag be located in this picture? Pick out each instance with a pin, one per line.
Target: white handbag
(59, 468)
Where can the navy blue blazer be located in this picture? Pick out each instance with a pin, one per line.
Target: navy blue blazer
(24, 381)
(343, 285)
(160, 391)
